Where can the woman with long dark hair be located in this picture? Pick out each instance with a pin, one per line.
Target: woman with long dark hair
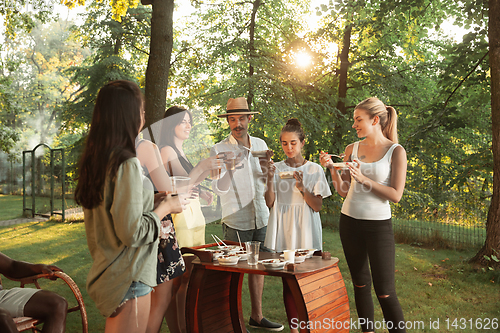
(190, 223)
(122, 214)
(377, 177)
(176, 128)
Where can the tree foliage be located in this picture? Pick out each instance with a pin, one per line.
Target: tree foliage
(24, 14)
(34, 88)
(118, 51)
(491, 246)
(396, 51)
(393, 50)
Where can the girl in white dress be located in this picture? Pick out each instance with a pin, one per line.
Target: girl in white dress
(295, 192)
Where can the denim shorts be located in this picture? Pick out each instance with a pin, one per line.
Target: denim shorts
(137, 289)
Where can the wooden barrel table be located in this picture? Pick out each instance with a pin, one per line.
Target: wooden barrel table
(213, 303)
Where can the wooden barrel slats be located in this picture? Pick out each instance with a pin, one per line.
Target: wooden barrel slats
(326, 300)
(214, 309)
(222, 325)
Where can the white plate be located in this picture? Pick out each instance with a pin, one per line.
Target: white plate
(273, 263)
(344, 165)
(299, 259)
(310, 252)
(228, 260)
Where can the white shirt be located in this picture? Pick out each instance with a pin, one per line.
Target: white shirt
(243, 204)
(360, 202)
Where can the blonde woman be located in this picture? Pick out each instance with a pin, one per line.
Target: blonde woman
(377, 177)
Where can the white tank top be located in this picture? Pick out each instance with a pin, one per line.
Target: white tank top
(360, 202)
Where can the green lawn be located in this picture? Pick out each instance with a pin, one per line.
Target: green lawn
(12, 205)
(431, 284)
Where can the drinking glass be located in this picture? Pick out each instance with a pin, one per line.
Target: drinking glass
(253, 252)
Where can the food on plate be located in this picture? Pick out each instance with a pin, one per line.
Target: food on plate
(242, 254)
(228, 259)
(301, 253)
(273, 263)
(259, 153)
(308, 252)
(286, 174)
(300, 256)
(215, 253)
(230, 248)
(344, 165)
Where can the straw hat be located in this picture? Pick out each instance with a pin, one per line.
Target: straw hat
(237, 105)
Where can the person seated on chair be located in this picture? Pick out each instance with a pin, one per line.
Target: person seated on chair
(28, 302)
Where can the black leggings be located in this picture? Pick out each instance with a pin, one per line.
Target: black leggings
(369, 241)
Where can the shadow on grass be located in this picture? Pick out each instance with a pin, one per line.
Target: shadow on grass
(430, 284)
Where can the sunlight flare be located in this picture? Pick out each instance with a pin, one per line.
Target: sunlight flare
(302, 59)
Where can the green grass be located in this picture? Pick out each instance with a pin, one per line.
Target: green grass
(431, 284)
(12, 205)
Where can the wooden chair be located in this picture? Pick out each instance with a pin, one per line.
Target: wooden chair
(27, 323)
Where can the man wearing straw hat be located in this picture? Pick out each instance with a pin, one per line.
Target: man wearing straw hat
(241, 188)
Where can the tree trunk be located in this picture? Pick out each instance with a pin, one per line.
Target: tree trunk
(344, 66)
(159, 59)
(342, 90)
(492, 244)
(251, 49)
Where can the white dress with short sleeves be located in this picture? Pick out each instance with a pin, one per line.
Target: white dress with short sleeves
(292, 222)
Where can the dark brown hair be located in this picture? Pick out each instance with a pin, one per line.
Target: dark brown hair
(293, 125)
(115, 124)
(172, 117)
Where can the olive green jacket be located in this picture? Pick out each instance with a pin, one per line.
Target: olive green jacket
(122, 236)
